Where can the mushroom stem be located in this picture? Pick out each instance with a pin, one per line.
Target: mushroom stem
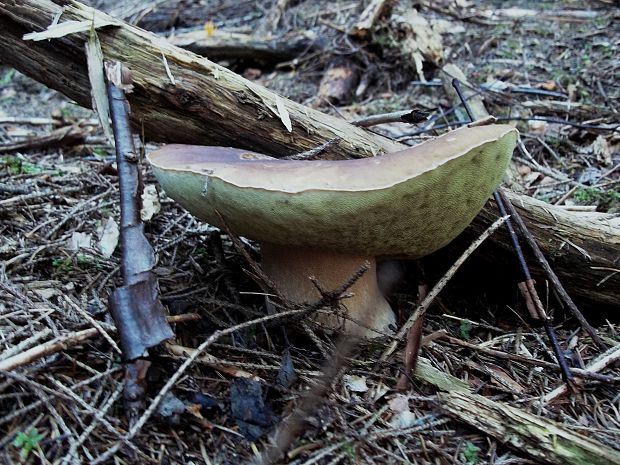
(291, 267)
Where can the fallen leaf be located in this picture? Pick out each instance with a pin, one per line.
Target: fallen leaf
(47, 293)
(194, 410)
(210, 28)
(601, 148)
(170, 408)
(549, 85)
(286, 374)
(251, 411)
(355, 383)
(537, 127)
(79, 241)
(403, 417)
(108, 238)
(378, 391)
(399, 403)
(501, 377)
(150, 202)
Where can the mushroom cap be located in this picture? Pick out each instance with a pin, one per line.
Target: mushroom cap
(408, 203)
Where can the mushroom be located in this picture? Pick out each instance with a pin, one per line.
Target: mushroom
(326, 218)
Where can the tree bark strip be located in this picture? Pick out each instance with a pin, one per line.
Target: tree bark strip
(209, 104)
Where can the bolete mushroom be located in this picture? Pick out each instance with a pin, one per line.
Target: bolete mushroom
(326, 218)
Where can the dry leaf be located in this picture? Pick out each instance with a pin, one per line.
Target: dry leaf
(501, 377)
(150, 202)
(403, 417)
(549, 85)
(399, 403)
(194, 410)
(378, 391)
(108, 238)
(355, 383)
(79, 241)
(47, 293)
(601, 148)
(537, 127)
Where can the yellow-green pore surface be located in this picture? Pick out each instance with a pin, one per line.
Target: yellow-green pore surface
(409, 203)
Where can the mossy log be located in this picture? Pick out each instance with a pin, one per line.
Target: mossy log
(543, 440)
(208, 104)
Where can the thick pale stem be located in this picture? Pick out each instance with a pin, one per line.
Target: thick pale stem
(291, 267)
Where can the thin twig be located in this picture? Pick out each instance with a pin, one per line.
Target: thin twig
(135, 429)
(577, 372)
(603, 361)
(404, 116)
(551, 274)
(421, 309)
(47, 348)
(312, 153)
(527, 288)
(292, 426)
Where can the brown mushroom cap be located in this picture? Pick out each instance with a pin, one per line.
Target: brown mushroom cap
(408, 203)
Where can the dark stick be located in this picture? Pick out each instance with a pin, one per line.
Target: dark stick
(135, 306)
(457, 87)
(552, 276)
(528, 290)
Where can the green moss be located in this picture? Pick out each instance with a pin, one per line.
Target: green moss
(470, 453)
(465, 329)
(16, 165)
(605, 200)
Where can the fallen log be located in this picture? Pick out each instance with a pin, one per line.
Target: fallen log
(223, 45)
(205, 103)
(178, 96)
(583, 248)
(543, 440)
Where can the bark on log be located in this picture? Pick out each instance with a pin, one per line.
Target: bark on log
(582, 248)
(543, 440)
(209, 104)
